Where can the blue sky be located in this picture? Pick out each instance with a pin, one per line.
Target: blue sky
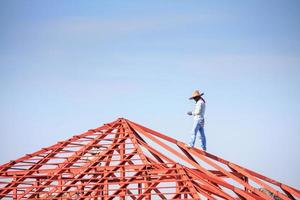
(67, 66)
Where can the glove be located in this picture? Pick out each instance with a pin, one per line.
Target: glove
(189, 113)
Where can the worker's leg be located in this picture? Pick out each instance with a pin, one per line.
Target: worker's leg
(202, 137)
(196, 127)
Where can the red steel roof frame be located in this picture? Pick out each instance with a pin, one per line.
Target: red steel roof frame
(118, 161)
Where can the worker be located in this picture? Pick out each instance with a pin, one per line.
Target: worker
(198, 114)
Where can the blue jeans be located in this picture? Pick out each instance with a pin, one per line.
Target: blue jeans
(198, 126)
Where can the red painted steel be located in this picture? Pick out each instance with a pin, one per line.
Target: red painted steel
(124, 160)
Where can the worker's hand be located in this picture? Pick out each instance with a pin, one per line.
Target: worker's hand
(189, 113)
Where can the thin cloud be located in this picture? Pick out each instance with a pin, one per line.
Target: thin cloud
(109, 28)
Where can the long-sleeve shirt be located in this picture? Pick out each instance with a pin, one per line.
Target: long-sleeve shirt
(199, 110)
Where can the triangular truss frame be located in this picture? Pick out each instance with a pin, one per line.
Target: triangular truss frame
(125, 160)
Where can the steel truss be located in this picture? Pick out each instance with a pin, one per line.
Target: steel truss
(124, 160)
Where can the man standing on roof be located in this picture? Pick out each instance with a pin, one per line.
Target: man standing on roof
(198, 114)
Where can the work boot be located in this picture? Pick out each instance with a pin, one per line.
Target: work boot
(188, 146)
